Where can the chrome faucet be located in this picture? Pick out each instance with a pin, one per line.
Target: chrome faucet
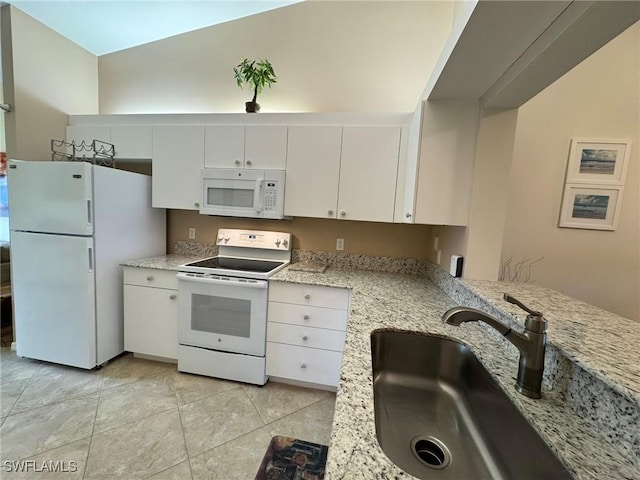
(531, 343)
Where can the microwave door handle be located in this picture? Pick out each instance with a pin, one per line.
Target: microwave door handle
(257, 196)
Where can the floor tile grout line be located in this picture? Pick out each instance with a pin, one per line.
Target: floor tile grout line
(254, 405)
(69, 399)
(51, 449)
(184, 437)
(93, 429)
(28, 380)
(134, 421)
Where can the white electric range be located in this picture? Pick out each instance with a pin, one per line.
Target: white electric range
(222, 305)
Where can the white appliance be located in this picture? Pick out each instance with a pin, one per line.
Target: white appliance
(243, 193)
(222, 305)
(72, 224)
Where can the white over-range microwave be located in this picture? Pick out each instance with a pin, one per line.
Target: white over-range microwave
(243, 192)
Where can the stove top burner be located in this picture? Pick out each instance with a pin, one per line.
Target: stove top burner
(236, 264)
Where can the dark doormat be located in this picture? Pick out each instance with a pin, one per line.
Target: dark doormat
(293, 459)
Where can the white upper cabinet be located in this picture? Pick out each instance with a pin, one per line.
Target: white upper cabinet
(236, 146)
(178, 157)
(129, 141)
(132, 141)
(368, 172)
(439, 165)
(224, 146)
(313, 171)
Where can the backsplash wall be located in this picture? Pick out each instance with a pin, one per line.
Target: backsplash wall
(367, 238)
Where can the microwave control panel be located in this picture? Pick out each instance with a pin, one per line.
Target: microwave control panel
(270, 195)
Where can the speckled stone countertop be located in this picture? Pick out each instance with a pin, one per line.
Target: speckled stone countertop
(570, 428)
(163, 262)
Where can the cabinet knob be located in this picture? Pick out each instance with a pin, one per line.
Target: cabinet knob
(343, 213)
(237, 162)
(330, 212)
(303, 365)
(249, 162)
(307, 296)
(305, 338)
(150, 278)
(173, 296)
(408, 215)
(306, 317)
(196, 204)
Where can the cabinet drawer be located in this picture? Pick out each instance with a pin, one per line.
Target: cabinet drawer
(150, 277)
(309, 295)
(305, 336)
(304, 364)
(308, 316)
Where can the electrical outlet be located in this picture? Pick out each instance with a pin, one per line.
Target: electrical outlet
(192, 234)
(438, 257)
(436, 241)
(339, 243)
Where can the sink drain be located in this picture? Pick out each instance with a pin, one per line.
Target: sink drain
(431, 451)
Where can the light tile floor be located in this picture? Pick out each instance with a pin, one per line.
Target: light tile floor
(137, 418)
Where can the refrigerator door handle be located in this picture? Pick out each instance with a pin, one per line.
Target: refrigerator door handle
(90, 259)
(88, 212)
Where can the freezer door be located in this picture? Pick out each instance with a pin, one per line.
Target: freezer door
(54, 298)
(51, 197)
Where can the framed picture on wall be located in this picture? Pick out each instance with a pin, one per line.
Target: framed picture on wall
(591, 207)
(602, 162)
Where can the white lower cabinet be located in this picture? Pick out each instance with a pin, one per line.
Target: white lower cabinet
(151, 312)
(306, 331)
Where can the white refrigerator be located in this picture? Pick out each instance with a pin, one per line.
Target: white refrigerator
(72, 224)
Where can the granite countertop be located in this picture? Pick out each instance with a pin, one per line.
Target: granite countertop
(410, 302)
(170, 261)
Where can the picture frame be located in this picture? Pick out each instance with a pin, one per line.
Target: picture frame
(595, 207)
(598, 161)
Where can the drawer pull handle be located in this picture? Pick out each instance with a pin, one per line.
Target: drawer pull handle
(150, 277)
(306, 317)
(303, 365)
(173, 296)
(305, 338)
(307, 296)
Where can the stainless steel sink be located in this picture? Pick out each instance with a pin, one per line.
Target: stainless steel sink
(440, 415)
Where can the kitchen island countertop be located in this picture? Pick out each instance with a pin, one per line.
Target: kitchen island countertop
(413, 303)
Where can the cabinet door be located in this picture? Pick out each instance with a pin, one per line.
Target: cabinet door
(313, 170)
(132, 141)
(265, 147)
(151, 321)
(224, 146)
(178, 157)
(368, 171)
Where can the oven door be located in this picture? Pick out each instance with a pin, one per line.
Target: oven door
(222, 313)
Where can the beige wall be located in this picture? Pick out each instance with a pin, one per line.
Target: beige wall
(597, 99)
(52, 77)
(367, 238)
(328, 56)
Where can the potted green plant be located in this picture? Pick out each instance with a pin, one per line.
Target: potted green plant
(256, 74)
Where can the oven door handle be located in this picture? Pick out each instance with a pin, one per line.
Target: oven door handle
(216, 281)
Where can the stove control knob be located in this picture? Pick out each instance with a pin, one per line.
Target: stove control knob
(220, 238)
(277, 242)
(307, 296)
(285, 242)
(226, 239)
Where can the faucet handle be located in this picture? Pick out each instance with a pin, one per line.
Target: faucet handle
(534, 322)
(517, 302)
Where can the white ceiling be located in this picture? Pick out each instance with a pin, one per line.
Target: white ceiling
(106, 26)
